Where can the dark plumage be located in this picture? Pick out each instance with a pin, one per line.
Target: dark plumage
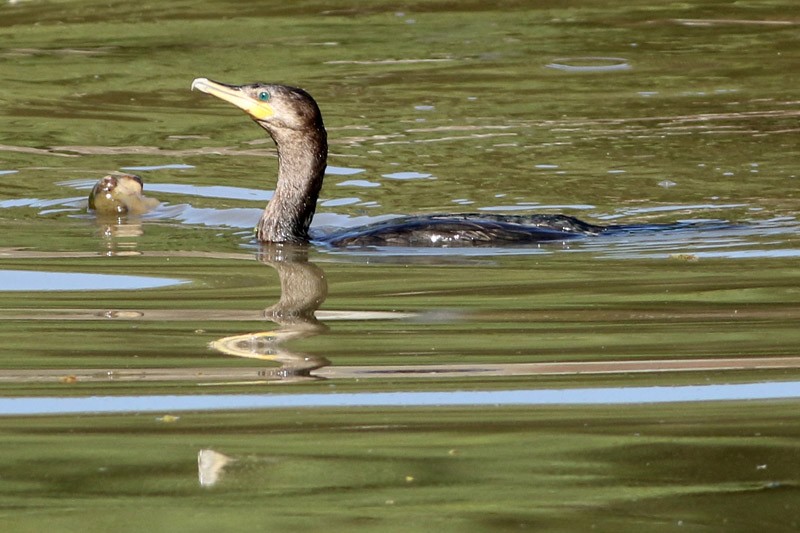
(465, 230)
(293, 120)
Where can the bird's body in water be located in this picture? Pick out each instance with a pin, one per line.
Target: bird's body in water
(120, 194)
(293, 120)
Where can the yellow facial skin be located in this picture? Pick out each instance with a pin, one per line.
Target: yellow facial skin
(248, 103)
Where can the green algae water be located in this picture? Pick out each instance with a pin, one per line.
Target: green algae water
(614, 112)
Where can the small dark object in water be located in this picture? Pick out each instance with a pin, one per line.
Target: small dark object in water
(120, 194)
(293, 120)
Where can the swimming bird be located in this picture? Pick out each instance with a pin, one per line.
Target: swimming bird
(120, 194)
(293, 120)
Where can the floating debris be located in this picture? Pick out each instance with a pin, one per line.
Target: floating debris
(684, 257)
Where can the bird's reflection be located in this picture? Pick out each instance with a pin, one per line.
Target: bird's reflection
(303, 289)
(120, 234)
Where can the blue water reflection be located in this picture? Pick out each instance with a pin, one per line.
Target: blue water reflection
(30, 280)
(585, 396)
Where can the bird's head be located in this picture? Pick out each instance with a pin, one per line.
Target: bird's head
(120, 194)
(274, 107)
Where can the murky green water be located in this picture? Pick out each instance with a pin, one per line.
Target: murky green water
(615, 112)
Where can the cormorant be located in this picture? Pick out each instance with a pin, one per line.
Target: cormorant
(293, 120)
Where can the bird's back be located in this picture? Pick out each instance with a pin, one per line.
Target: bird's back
(464, 230)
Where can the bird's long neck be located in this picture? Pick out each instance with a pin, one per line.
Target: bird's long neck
(302, 157)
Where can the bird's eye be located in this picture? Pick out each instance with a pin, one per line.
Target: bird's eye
(263, 96)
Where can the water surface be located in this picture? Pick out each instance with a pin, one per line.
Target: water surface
(616, 112)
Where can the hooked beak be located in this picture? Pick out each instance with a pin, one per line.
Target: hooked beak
(236, 96)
